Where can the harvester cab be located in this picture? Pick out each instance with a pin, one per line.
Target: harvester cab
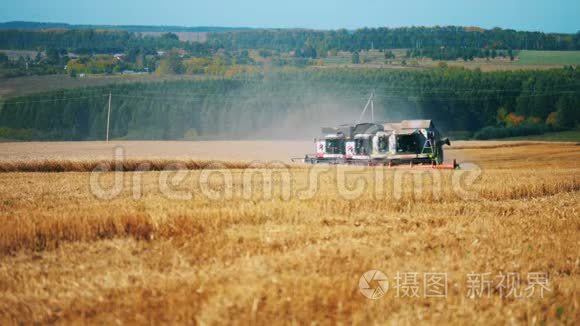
(331, 147)
(362, 143)
(417, 142)
(363, 146)
(383, 144)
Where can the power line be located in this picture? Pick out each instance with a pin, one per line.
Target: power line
(362, 95)
(420, 96)
(306, 84)
(425, 95)
(190, 99)
(395, 88)
(54, 100)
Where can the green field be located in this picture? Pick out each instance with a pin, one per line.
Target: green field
(549, 57)
(527, 59)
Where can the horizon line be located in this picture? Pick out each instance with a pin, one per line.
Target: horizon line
(279, 28)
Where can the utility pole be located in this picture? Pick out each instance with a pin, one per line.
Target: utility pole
(373, 107)
(371, 103)
(109, 116)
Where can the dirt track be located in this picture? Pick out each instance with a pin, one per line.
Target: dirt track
(204, 150)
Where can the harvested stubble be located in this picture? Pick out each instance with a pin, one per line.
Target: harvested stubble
(68, 257)
(123, 165)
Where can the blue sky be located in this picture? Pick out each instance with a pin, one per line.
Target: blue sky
(547, 16)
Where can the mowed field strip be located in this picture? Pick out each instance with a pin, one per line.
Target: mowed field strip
(241, 251)
(250, 150)
(200, 150)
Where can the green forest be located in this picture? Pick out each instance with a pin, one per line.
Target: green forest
(111, 41)
(90, 41)
(395, 38)
(461, 102)
(267, 82)
(78, 50)
(26, 25)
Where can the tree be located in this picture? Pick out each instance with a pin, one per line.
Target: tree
(170, 65)
(53, 55)
(170, 36)
(306, 52)
(243, 58)
(568, 115)
(265, 53)
(552, 119)
(511, 54)
(502, 113)
(3, 58)
(355, 58)
(389, 55)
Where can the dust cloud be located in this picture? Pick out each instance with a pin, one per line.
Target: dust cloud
(303, 121)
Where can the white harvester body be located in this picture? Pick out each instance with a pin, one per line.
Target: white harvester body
(412, 142)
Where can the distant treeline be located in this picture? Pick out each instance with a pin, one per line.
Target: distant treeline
(129, 28)
(295, 104)
(84, 40)
(394, 38)
(89, 41)
(466, 54)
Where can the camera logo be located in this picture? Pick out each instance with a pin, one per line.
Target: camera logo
(373, 284)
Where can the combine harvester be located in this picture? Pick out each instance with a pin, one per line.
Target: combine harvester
(409, 143)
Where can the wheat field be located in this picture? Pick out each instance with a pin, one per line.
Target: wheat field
(223, 244)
